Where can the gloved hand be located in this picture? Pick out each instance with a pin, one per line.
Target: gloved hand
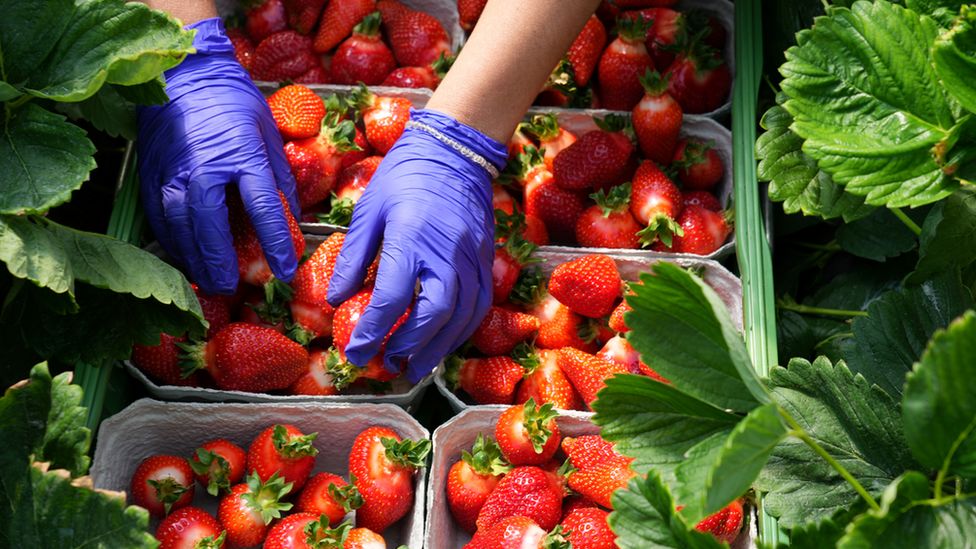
(216, 130)
(432, 208)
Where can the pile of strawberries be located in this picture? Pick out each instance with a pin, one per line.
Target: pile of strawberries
(513, 492)
(556, 347)
(255, 488)
(623, 40)
(340, 42)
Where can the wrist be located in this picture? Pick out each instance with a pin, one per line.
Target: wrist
(211, 37)
(476, 148)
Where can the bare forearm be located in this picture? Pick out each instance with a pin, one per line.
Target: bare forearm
(506, 61)
(187, 11)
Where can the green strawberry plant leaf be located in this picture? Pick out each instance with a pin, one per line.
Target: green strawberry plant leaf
(107, 110)
(954, 57)
(898, 327)
(644, 516)
(817, 535)
(8, 92)
(681, 326)
(948, 238)
(938, 407)
(45, 159)
(877, 237)
(28, 34)
(857, 424)
(872, 111)
(897, 497)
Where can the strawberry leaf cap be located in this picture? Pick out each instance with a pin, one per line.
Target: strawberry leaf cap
(518, 168)
(529, 287)
(318, 534)
(360, 99)
(168, 490)
(348, 496)
(193, 357)
(537, 421)
(660, 227)
(543, 126)
(340, 212)
(654, 84)
(299, 334)
(264, 497)
(277, 292)
(442, 64)
(293, 446)
(335, 104)
(215, 467)
(340, 133)
(527, 355)
(615, 123)
(211, 542)
(343, 372)
(406, 452)
(370, 25)
(633, 29)
(486, 457)
(617, 199)
(452, 370)
(566, 469)
(563, 80)
(556, 540)
(694, 154)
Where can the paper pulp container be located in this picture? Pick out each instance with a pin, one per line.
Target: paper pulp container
(725, 284)
(149, 427)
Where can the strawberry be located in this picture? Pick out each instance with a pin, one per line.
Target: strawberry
(264, 18)
(597, 158)
(243, 47)
(699, 165)
(575, 502)
(544, 382)
(584, 52)
(544, 198)
(315, 75)
(669, 28)
(427, 76)
(216, 309)
(303, 14)
(311, 313)
(588, 451)
(511, 256)
(525, 491)
(348, 314)
(609, 223)
(619, 350)
(560, 327)
(292, 532)
(218, 464)
(247, 357)
(297, 112)
(352, 157)
(344, 373)
(329, 495)
(703, 199)
(501, 199)
(535, 231)
(354, 178)
(417, 38)
(552, 138)
(249, 508)
(256, 310)
(516, 145)
(471, 480)
(517, 532)
(318, 381)
(487, 380)
(338, 20)
(283, 56)
(469, 11)
(700, 80)
(657, 119)
(161, 362)
(598, 470)
(587, 528)
(587, 373)
(502, 329)
(725, 524)
(621, 65)
(704, 231)
(364, 538)
(363, 57)
(316, 161)
(252, 266)
(528, 434)
(589, 286)
(383, 466)
(190, 528)
(384, 117)
(161, 484)
(283, 450)
(655, 202)
(617, 323)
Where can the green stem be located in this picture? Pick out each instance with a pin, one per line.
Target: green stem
(944, 470)
(799, 433)
(831, 246)
(820, 311)
(912, 226)
(20, 101)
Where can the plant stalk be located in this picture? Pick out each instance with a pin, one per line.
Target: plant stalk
(912, 226)
(806, 309)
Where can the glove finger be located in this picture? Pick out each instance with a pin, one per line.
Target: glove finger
(357, 254)
(435, 307)
(482, 288)
(180, 225)
(395, 282)
(279, 164)
(151, 193)
(211, 229)
(263, 206)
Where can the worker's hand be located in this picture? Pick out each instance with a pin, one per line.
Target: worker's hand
(431, 207)
(216, 130)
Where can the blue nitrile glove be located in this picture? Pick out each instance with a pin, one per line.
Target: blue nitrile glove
(216, 130)
(431, 207)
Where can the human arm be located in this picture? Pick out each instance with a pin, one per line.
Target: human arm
(187, 11)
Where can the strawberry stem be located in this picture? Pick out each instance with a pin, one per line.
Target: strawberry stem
(293, 446)
(369, 26)
(654, 84)
(343, 372)
(633, 29)
(660, 227)
(536, 422)
(543, 126)
(486, 457)
(617, 199)
(340, 212)
(215, 467)
(264, 497)
(347, 496)
(407, 453)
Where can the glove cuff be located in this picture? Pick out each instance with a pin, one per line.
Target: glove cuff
(467, 141)
(211, 37)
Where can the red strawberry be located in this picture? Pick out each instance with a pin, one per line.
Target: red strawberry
(161, 362)
(471, 480)
(552, 138)
(345, 373)
(417, 38)
(502, 329)
(600, 157)
(383, 466)
(573, 503)
(190, 528)
(218, 464)
(704, 231)
(348, 315)
(363, 57)
(243, 47)
(338, 20)
(655, 202)
(657, 119)
(161, 484)
(364, 538)
(283, 450)
(384, 117)
(487, 380)
(354, 178)
(668, 29)
(619, 350)
(589, 285)
(617, 323)
(303, 14)
(517, 144)
(528, 434)
(297, 112)
(535, 231)
(315, 75)
(511, 256)
(318, 381)
(622, 64)
(316, 161)
(501, 199)
(699, 165)
(246, 357)
(587, 528)
(725, 524)
(265, 18)
(252, 267)
(544, 198)
(292, 532)
(469, 11)
(525, 491)
(628, 4)
(609, 223)
(544, 382)
(703, 199)
(560, 327)
(587, 373)
(700, 81)
(310, 311)
(427, 76)
(329, 495)
(589, 451)
(249, 508)
(216, 309)
(283, 56)
(598, 471)
(584, 52)
(516, 532)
